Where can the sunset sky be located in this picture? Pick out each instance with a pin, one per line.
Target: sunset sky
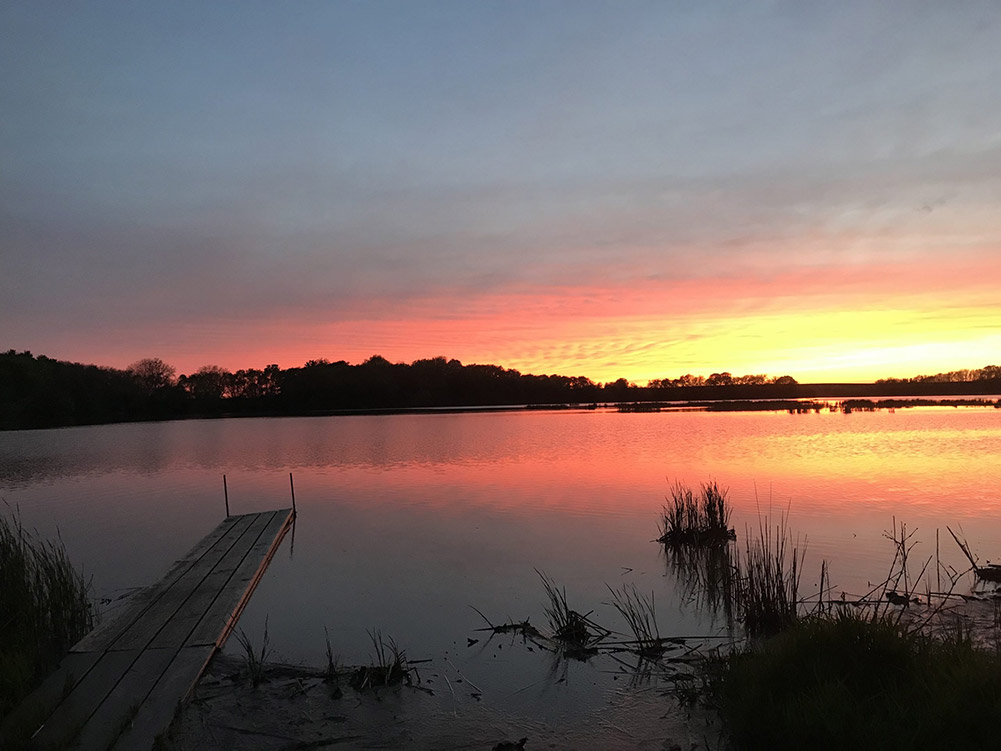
(608, 189)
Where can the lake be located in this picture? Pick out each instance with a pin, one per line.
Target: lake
(408, 522)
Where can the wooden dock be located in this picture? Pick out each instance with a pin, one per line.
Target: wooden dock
(120, 685)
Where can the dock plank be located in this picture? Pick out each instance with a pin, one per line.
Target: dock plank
(72, 714)
(32, 713)
(122, 703)
(158, 710)
(230, 603)
(142, 631)
(106, 633)
(215, 583)
(121, 684)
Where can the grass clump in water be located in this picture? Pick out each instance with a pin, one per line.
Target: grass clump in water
(696, 520)
(641, 616)
(45, 608)
(768, 581)
(846, 681)
(389, 667)
(255, 662)
(577, 635)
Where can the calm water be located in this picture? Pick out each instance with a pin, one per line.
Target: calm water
(407, 521)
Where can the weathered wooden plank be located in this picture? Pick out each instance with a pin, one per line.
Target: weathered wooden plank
(176, 629)
(121, 705)
(158, 710)
(142, 631)
(234, 598)
(106, 633)
(32, 713)
(138, 670)
(71, 715)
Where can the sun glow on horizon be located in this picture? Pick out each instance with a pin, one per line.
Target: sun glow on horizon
(834, 323)
(818, 345)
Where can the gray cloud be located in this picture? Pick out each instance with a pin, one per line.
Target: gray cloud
(190, 165)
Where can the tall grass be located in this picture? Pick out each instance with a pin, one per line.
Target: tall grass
(640, 614)
(768, 580)
(44, 608)
(390, 665)
(255, 662)
(845, 680)
(576, 634)
(888, 670)
(696, 520)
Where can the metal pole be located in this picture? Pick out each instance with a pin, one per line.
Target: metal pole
(292, 488)
(225, 492)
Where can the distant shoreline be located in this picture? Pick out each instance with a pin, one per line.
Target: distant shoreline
(38, 392)
(804, 404)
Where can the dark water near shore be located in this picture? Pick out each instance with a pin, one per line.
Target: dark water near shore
(406, 521)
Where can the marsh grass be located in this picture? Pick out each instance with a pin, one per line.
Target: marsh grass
(255, 662)
(888, 670)
(576, 635)
(45, 608)
(696, 520)
(848, 679)
(389, 665)
(640, 613)
(768, 580)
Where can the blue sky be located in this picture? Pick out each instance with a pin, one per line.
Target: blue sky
(509, 181)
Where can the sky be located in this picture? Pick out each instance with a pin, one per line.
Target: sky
(606, 189)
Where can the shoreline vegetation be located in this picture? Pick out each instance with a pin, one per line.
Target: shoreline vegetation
(40, 392)
(899, 667)
(902, 666)
(45, 608)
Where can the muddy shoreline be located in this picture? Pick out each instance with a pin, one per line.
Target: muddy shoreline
(296, 707)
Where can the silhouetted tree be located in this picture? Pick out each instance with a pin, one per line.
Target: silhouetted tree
(152, 373)
(691, 380)
(208, 382)
(252, 383)
(719, 379)
(618, 389)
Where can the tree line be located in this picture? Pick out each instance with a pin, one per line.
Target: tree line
(720, 379)
(986, 373)
(38, 391)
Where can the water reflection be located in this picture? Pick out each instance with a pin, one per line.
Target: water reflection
(406, 521)
(706, 577)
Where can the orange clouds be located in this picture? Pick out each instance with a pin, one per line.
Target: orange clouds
(835, 323)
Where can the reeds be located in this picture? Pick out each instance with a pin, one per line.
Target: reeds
(255, 662)
(760, 588)
(768, 580)
(991, 572)
(389, 665)
(44, 608)
(696, 520)
(640, 614)
(576, 634)
(888, 670)
(851, 680)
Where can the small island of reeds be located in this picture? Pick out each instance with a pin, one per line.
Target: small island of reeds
(691, 519)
